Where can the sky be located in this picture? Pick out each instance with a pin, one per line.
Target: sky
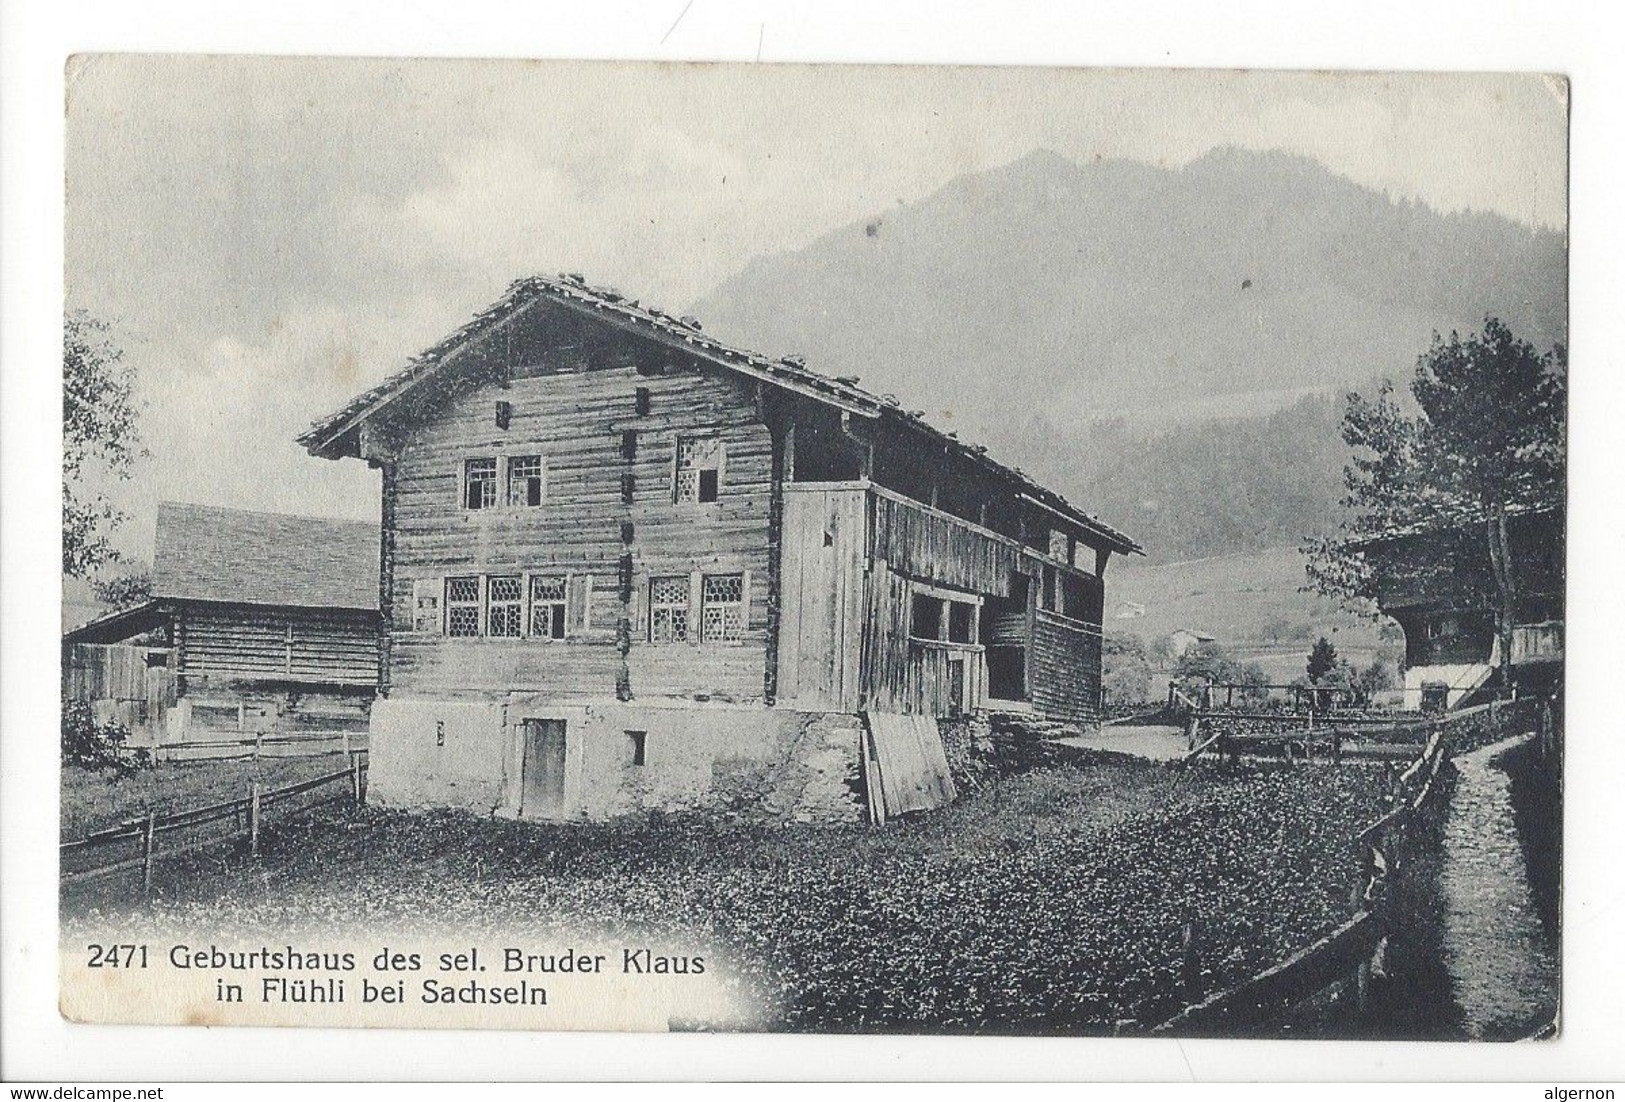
(270, 236)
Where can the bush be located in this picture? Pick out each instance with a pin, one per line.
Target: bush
(92, 745)
(1125, 670)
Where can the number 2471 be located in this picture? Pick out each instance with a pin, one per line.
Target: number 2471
(117, 956)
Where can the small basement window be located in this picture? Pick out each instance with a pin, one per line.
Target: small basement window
(722, 608)
(463, 607)
(699, 469)
(547, 606)
(505, 598)
(637, 746)
(668, 609)
(526, 480)
(925, 618)
(479, 483)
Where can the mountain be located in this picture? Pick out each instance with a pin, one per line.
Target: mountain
(1121, 288)
(1068, 315)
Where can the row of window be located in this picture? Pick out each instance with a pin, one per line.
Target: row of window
(504, 606)
(696, 475)
(500, 608)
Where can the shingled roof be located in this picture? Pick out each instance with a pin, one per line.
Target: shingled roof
(206, 553)
(1446, 519)
(326, 436)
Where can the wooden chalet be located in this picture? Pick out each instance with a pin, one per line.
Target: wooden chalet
(619, 555)
(258, 623)
(1438, 581)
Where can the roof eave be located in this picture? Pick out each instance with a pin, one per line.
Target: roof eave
(334, 437)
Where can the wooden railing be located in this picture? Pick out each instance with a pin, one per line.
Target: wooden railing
(98, 853)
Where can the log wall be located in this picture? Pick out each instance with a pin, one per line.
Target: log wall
(608, 522)
(243, 642)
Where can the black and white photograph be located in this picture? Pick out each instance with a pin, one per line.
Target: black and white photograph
(813, 548)
(761, 555)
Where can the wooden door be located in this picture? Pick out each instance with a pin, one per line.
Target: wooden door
(542, 790)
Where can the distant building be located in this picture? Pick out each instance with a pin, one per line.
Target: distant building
(1181, 640)
(1439, 583)
(258, 623)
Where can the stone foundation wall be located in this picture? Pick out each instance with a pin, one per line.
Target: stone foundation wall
(741, 760)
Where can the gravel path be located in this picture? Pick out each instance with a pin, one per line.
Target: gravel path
(1150, 743)
(1502, 968)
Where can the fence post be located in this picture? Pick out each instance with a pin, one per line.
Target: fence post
(355, 781)
(254, 818)
(149, 843)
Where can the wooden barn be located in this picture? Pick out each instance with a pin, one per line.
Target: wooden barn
(1443, 586)
(626, 564)
(258, 624)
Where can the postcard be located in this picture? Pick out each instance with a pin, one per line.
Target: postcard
(813, 548)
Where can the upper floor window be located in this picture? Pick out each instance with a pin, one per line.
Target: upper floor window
(526, 484)
(479, 483)
(699, 469)
(722, 608)
(668, 609)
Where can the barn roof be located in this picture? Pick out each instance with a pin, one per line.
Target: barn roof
(118, 625)
(329, 436)
(1447, 519)
(206, 553)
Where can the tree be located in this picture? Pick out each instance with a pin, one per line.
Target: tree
(100, 437)
(1490, 436)
(1375, 678)
(1160, 652)
(124, 590)
(1209, 661)
(1322, 660)
(1125, 672)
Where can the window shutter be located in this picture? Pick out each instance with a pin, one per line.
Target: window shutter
(577, 590)
(426, 611)
(745, 604)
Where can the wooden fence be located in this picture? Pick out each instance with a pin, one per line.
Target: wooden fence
(1343, 957)
(141, 843)
(1333, 735)
(254, 747)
